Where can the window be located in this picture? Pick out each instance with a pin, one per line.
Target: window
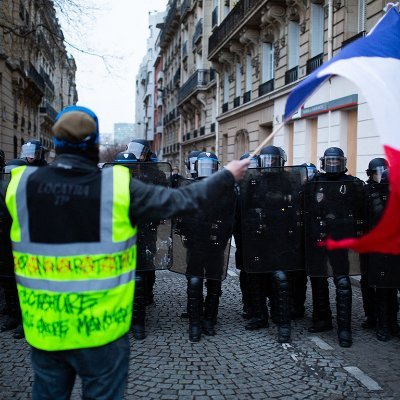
(294, 44)
(226, 87)
(267, 67)
(238, 88)
(317, 29)
(248, 72)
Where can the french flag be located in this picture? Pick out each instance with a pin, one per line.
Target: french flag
(372, 63)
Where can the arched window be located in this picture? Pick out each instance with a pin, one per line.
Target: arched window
(241, 143)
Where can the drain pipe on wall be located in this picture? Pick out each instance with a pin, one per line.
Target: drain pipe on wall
(330, 53)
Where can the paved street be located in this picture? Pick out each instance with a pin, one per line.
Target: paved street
(235, 364)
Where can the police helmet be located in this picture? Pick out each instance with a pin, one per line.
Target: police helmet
(140, 148)
(333, 161)
(190, 162)
(206, 164)
(124, 157)
(311, 170)
(253, 160)
(375, 168)
(14, 164)
(272, 156)
(32, 152)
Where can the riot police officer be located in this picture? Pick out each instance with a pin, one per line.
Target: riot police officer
(33, 153)
(333, 166)
(268, 280)
(190, 163)
(13, 310)
(380, 302)
(245, 287)
(206, 235)
(140, 150)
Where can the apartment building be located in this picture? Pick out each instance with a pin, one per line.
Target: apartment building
(37, 76)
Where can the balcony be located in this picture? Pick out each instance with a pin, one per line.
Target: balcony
(314, 63)
(47, 111)
(171, 21)
(266, 87)
(225, 107)
(353, 38)
(184, 50)
(236, 102)
(214, 18)
(177, 77)
(198, 33)
(185, 7)
(232, 21)
(200, 79)
(36, 78)
(247, 97)
(47, 80)
(291, 75)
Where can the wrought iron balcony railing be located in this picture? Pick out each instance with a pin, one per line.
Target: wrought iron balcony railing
(200, 79)
(291, 75)
(314, 63)
(266, 87)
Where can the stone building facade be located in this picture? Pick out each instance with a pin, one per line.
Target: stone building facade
(37, 76)
(262, 49)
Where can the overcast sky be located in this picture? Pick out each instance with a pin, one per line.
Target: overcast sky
(119, 28)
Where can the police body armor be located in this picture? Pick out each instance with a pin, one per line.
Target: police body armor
(202, 239)
(271, 219)
(333, 209)
(383, 269)
(154, 244)
(6, 258)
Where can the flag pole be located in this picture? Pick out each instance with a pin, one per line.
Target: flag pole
(266, 140)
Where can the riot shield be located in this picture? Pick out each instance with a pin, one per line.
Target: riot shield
(154, 244)
(333, 209)
(202, 239)
(271, 219)
(383, 269)
(6, 257)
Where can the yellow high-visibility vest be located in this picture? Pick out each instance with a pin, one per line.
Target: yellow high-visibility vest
(75, 295)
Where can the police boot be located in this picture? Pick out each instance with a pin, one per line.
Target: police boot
(211, 306)
(195, 304)
(19, 332)
(322, 315)
(343, 307)
(260, 311)
(393, 308)
(369, 303)
(139, 308)
(298, 290)
(246, 295)
(281, 294)
(382, 325)
(14, 317)
(150, 280)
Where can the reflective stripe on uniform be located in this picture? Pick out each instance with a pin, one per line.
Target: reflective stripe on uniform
(76, 286)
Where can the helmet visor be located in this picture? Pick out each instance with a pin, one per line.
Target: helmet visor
(377, 173)
(310, 172)
(140, 151)
(206, 167)
(334, 164)
(269, 160)
(253, 163)
(192, 168)
(32, 151)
